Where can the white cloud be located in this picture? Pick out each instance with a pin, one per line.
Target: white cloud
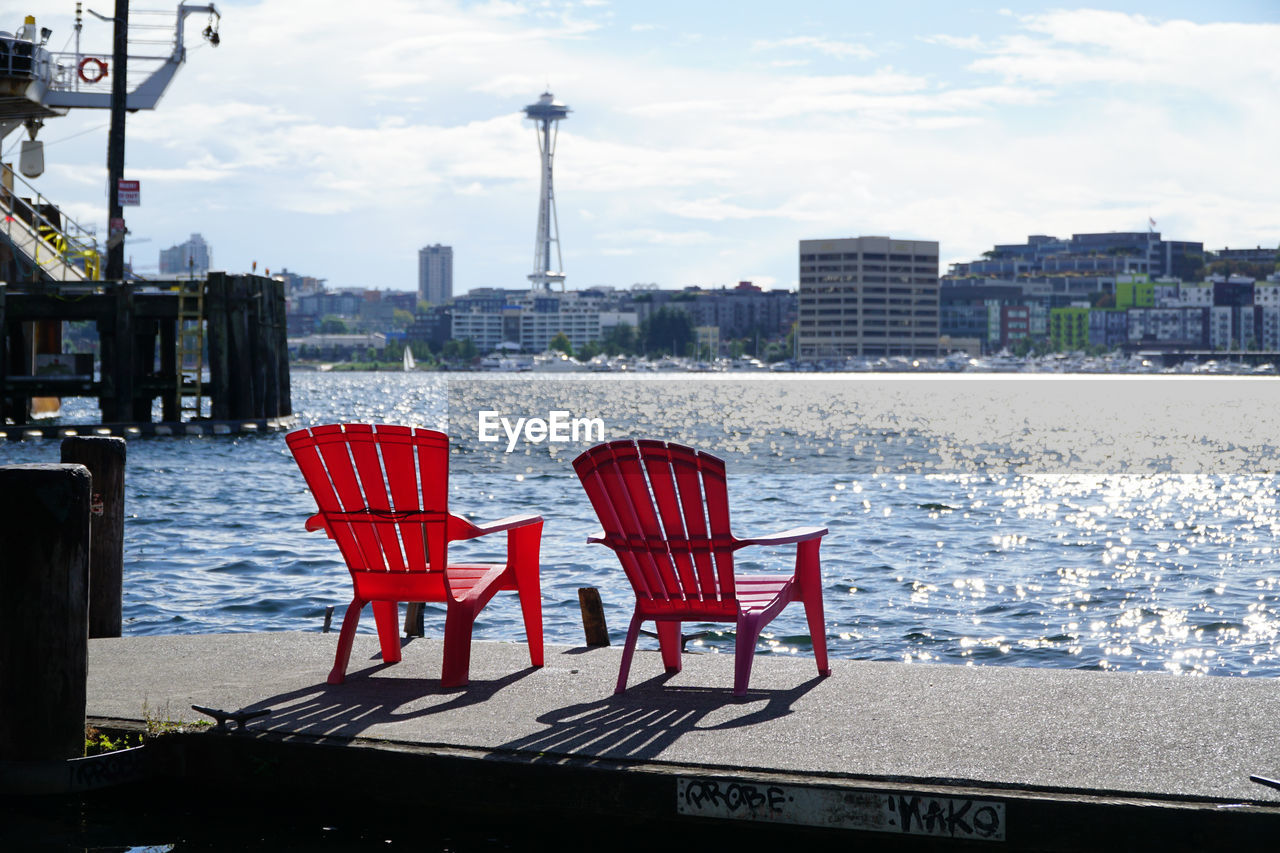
(829, 47)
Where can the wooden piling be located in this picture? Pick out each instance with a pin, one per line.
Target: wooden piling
(215, 304)
(414, 624)
(171, 399)
(4, 354)
(281, 336)
(105, 459)
(44, 646)
(124, 371)
(144, 359)
(241, 373)
(593, 624)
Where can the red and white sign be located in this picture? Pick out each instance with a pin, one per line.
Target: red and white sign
(129, 193)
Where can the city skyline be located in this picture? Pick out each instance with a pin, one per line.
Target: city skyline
(703, 145)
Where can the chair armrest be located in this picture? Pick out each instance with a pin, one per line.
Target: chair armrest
(315, 522)
(786, 537)
(597, 538)
(461, 528)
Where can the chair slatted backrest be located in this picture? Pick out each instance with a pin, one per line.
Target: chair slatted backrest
(382, 492)
(665, 512)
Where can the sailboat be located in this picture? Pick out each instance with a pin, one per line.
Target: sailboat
(408, 360)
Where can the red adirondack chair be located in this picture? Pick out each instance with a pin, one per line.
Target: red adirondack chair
(665, 513)
(383, 496)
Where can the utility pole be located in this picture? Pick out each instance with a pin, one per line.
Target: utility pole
(115, 142)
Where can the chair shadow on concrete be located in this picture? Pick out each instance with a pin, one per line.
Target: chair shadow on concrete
(643, 722)
(362, 701)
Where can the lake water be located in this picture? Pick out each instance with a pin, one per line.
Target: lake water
(1115, 522)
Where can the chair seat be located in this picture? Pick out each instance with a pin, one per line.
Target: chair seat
(472, 581)
(757, 592)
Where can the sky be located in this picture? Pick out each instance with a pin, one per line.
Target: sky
(706, 138)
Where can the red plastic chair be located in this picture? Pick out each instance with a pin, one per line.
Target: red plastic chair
(665, 513)
(383, 495)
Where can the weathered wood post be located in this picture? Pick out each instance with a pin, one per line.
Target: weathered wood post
(241, 384)
(123, 370)
(104, 457)
(593, 624)
(4, 355)
(281, 332)
(44, 646)
(215, 308)
(171, 399)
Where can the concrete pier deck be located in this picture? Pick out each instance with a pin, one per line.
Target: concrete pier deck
(1025, 758)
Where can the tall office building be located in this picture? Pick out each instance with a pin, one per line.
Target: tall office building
(435, 274)
(190, 258)
(868, 296)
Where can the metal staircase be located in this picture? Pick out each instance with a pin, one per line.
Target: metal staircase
(55, 247)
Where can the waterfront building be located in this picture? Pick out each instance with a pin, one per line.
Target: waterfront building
(994, 312)
(743, 311)
(1100, 254)
(191, 258)
(1069, 328)
(1182, 327)
(1108, 327)
(435, 274)
(1257, 255)
(867, 296)
(433, 327)
(528, 320)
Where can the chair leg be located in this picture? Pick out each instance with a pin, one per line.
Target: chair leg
(458, 623)
(669, 642)
(386, 618)
(808, 572)
(522, 555)
(817, 631)
(633, 633)
(352, 618)
(744, 652)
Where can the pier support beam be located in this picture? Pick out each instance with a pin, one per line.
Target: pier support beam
(44, 643)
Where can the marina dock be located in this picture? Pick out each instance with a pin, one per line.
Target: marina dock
(985, 757)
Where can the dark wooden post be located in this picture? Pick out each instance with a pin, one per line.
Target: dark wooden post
(219, 364)
(123, 369)
(413, 622)
(171, 399)
(281, 332)
(593, 624)
(104, 457)
(256, 318)
(4, 354)
(44, 647)
(19, 364)
(144, 362)
(270, 362)
(241, 382)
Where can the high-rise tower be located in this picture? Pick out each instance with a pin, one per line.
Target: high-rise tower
(435, 274)
(546, 115)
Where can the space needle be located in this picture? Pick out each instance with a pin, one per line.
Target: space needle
(546, 114)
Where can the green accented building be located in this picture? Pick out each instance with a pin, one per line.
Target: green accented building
(1137, 293)
(1069, 329)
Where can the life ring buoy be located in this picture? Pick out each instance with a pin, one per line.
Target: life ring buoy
(99, 68)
